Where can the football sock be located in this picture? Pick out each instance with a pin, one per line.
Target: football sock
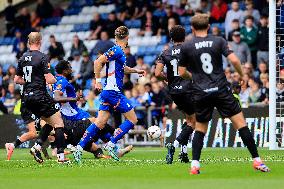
(91, 132)
(176, 144)
(17, 143)
(122, 130)
(184, 149)
(60, 156)
(44, 133)
(60, 140)
(248, 141)
(197, 145)
(184, 134)
(257, 159)
(195, 163)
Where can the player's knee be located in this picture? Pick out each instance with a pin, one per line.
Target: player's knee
(134, 120)
(100, 123)
(32, 134)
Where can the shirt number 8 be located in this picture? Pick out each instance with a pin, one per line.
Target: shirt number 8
(206, 63)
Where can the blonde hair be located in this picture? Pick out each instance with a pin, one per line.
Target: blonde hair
(34, 38)
(263, 75)
(200, 21)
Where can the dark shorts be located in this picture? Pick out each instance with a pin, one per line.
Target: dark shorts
(76, 129)
(224, 101)
(40, 105)
(27, 115)
(184, 102)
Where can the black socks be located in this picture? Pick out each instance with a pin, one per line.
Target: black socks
(44, 133)
(17, 143)
(60, 140)
(185, 134)
(197, 145)
(248, 141)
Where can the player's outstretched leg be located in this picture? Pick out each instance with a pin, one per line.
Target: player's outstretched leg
(248, 140)
(91, 132)
(121, 131)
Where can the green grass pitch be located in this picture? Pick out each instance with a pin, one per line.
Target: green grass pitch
(144, 168)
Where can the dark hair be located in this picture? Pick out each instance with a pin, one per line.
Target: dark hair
(140, 57)
(121, 32)
(177, 33)
(264, 16)
(61, 66)
(200, 21)
(249, 17)
(235, 20)
(51, 36)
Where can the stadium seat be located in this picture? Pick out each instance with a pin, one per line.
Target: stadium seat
(164, 39)
(134, 49)
(150, 50)
(51, 21)
(67, 45)
(141, 50)
(5, 66)
(149, 59)
(185, 20)
(90, 44)
(72, 11)
(159, 49)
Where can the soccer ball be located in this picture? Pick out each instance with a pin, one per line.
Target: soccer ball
(154, 132)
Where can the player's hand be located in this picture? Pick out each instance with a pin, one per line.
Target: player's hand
(98, 86)
(79, 95)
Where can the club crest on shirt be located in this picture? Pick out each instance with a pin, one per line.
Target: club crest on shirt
(110, 53)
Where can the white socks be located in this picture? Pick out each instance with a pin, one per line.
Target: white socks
(176, 144)
(37, 146)
(195, 163)
(79, 147)
(257, 159)
(60, 157)
(184, 149)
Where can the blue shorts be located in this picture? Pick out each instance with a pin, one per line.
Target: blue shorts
(114, 101)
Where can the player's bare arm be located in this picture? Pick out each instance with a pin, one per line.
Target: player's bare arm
(58, 97)
(19, 80)
(50, 79)
(128, 70)
(184, 73)
(235, 61)
(98, 66)
(159, 71)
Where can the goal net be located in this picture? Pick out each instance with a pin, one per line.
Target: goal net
(276, 74)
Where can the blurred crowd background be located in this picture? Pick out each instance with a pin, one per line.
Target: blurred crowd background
(80, 30)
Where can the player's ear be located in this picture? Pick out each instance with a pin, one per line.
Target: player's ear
(192, 30)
